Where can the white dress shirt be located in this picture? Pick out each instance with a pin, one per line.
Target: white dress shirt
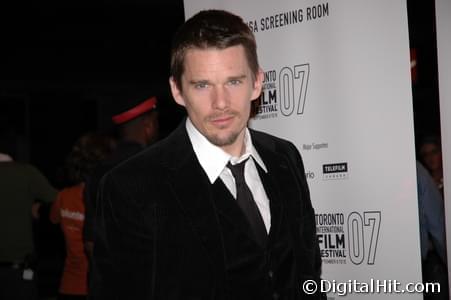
(214, 161)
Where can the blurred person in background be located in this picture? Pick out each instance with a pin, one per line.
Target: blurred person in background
(69, 211)
(430, 154)
(22, 186)
(135, 116)
(432, 234)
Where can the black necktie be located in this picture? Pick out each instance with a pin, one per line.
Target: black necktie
(247, 204)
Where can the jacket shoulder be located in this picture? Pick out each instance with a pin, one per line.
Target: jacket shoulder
(150, 164)
(271, 141)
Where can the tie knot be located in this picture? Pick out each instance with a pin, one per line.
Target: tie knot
(238, 170)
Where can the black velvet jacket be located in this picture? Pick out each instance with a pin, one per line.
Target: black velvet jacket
(162, 232)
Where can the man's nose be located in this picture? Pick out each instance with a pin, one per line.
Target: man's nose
(220, 98)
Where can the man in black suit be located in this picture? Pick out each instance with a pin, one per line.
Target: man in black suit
(178, 221)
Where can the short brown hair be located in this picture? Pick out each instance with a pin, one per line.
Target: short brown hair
(212, 29)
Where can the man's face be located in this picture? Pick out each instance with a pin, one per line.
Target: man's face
(217, 90)
(431, 156)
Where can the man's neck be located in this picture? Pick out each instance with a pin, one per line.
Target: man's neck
(237, 148)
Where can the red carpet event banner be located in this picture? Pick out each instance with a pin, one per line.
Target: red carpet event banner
(337, 84)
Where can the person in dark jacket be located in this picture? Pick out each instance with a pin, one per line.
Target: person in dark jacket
(136, 117)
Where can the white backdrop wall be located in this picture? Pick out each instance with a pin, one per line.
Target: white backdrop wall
(443, 15)
(337, 84)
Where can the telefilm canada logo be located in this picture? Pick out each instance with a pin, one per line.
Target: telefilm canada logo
(284, 92)
(335, 171)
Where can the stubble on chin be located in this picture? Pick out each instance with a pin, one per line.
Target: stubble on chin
(223, 141)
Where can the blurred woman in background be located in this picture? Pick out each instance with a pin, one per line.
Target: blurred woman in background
(69, 211)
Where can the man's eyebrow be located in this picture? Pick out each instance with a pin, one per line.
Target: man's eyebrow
(243, 76)
(202, 81)
(205, 81)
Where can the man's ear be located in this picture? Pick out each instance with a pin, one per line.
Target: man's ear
(258, 84)
(176, 92)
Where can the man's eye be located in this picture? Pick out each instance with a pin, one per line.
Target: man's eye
(235, 82)
(201, 85)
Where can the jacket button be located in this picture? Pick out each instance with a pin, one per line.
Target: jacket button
(271, 274)
(275, 296)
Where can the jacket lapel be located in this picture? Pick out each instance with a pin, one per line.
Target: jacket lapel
(193, 193)
(277, 182)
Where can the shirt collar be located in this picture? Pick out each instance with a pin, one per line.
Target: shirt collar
(212, 158)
